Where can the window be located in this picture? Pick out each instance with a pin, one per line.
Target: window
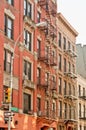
(47, 107)
(73, 49)
(83, 91)
(79, 90)
(2, 128)
(8, 27)
(27, 69)
(38, 17)
(73, 69)
(38, 47)
(60, 62)
(10, 2)
(53, 106)
(79, 110)
(59, 127)
(69, 88)
(64, 43)
(38, 75)
(74, 91)
(69, 67)
(27, 103)
(60, 85)
(65, 65)
(69, 45)
(46, 78)
(84, 114)
(59, 42)
(70, 112)
(84, 127)
(80, 127)
(53, 57)
(54, 109)
(60, 109)
(65, 87)
(65, 110)
(53, 82)
(27, 39)
(27, 8)
(38, 104)
(47, 52)
(7, 61)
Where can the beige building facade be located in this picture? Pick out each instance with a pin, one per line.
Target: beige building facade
(81, 88)
(67, 83)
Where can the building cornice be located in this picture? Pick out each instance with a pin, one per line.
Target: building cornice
(63, 19)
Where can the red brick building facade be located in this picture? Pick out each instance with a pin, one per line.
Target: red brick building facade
(32, 27)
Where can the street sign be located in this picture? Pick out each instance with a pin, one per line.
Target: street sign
(8, 113)
(15, 109)
(6, 118)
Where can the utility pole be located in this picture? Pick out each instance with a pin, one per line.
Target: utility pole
(11, 80)
(11, 86)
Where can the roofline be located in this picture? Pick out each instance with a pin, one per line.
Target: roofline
(59, 15)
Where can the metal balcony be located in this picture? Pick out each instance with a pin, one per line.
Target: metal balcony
(42, 56)
(71, 120)
(47, 114)
(53, 61)
(70, 96)
(83, 96)
(53, 85)
(42, 83)
(82, 116)
(70, 53)
(70, 74)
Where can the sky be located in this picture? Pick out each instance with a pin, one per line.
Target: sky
(75, 12)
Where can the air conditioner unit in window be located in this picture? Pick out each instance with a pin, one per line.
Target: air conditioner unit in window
(39, 113)
(25, 77)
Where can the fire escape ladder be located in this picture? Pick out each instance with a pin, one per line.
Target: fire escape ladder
(43, 4)
(49, 6)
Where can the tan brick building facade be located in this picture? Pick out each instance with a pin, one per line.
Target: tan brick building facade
(67, 112)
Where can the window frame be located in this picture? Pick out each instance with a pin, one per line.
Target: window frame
(11, 2)
(38, 17)
(7, 64)
(28, 40)
(28, 9)
(38, 104)
(38, 47)
(29, 103)
(60, 85)
(59, 39)
(60, 109)
(64, 43)
(38, 75)
(8, 29)
(60, 62)
(27, 69)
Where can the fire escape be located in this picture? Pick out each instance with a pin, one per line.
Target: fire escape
(48, 56)
(82, 113)
(70, 53)
(48, 85)
(71, 116)
(48, 26)
(70, 95)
